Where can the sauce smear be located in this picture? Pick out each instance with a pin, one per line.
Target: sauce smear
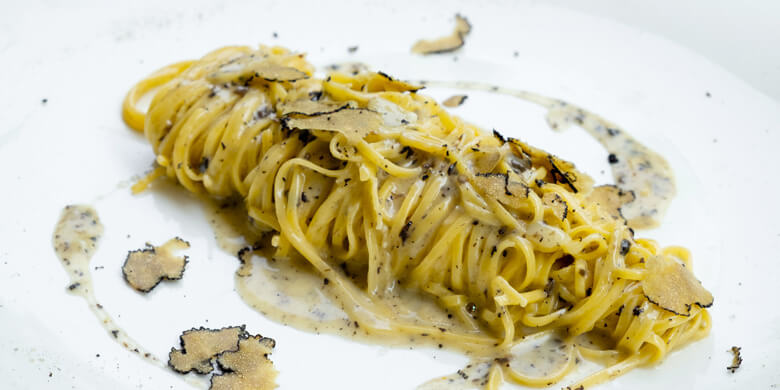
(76, 238)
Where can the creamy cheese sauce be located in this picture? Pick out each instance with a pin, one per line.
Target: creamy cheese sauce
(635, 167)
(289, 291)
(540, 355)
(76, 238)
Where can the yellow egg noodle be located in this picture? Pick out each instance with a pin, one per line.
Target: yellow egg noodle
(382, 190)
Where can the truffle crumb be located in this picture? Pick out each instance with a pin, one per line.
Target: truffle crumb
(445, 44)
(736, 360)
(455, 101)
(145, 268)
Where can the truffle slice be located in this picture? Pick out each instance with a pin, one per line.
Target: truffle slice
(145, 268)
(247, 368)
(199, 346)
(559, 171)
(486, 158)
(246, 69)
(355, 123)
(309, 107)
(454, 101)
(671, 286)
(445, 44)
(381, 81)
(498, 186)
(611, 199)
(559, 206)
(367, 81)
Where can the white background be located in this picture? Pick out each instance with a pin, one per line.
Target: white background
(741, 36)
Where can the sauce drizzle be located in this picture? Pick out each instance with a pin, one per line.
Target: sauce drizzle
(635, 167)
(75, 239)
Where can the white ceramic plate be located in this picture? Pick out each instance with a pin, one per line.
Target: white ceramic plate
(74, 148)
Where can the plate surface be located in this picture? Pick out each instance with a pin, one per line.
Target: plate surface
(718, 134)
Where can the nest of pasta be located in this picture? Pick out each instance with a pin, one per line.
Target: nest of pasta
(380, 189)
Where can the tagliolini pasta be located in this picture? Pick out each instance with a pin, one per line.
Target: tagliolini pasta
(382, 190)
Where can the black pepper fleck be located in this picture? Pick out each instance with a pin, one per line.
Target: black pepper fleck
(625, 246)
